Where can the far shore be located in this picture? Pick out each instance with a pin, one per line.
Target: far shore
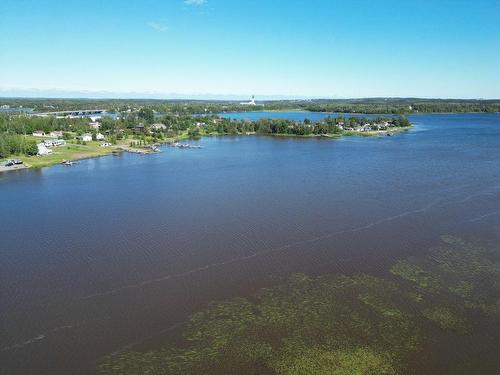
(298, 110)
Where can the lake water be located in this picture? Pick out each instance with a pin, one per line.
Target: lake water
(296, 116)
(114, 252)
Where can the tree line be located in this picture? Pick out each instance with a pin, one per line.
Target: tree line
(15, 144)
(368, 106)
(330, 125)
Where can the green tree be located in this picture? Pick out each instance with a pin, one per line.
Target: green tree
(30, 148)
(147, 114)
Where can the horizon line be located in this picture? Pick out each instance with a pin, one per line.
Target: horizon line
(7, 92)
(222, 98)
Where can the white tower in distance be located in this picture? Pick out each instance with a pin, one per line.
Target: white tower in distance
(251, 102)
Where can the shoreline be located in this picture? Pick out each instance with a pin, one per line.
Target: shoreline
(14, 168)
(59, 157)
(356, 113)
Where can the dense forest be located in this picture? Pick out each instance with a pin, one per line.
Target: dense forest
(368, 106)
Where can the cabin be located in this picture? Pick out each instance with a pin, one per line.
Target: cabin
(86, 137)
(38, 133)
(99, 137)
(43, 150)
(138, 129)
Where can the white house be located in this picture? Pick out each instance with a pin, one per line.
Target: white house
(158, 127)
(56, 134)
(86, 137)
(43, 150)
(99, 137)
(38, 133)
(54, 142)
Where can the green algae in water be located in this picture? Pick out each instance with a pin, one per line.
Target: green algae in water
(330, 321)
(338, 325)
(341, 362)
(411, 271)
(457, 270)
(446, 318)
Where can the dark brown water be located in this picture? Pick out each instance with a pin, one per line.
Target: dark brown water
(115, 252)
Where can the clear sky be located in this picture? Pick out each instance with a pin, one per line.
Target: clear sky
(293, 48)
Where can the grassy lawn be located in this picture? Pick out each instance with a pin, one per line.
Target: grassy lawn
(68, 152)
(74, 151)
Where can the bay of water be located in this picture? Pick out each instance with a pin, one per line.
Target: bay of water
(115, 252)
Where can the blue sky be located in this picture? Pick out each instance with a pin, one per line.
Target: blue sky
(212, 48)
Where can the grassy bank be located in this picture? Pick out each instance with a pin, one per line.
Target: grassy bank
(68, 152)
(74, 151)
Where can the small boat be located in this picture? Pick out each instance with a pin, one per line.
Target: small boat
(67, 162)
(184, 145)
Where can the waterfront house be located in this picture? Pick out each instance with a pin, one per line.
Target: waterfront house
(99, 136)
(158, 127)
(56, 134)
(86, 137)
(43, 150)
(38, 133)
(54, 142)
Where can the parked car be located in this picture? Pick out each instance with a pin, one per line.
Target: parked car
(9, 163)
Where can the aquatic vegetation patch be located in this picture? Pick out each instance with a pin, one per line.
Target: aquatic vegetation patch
(446, 318)
(344, 322)
(341, 325)
(411, 271)
(358, 361)
(458, 272)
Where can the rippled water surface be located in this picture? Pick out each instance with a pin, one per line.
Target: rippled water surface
(115, 252)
